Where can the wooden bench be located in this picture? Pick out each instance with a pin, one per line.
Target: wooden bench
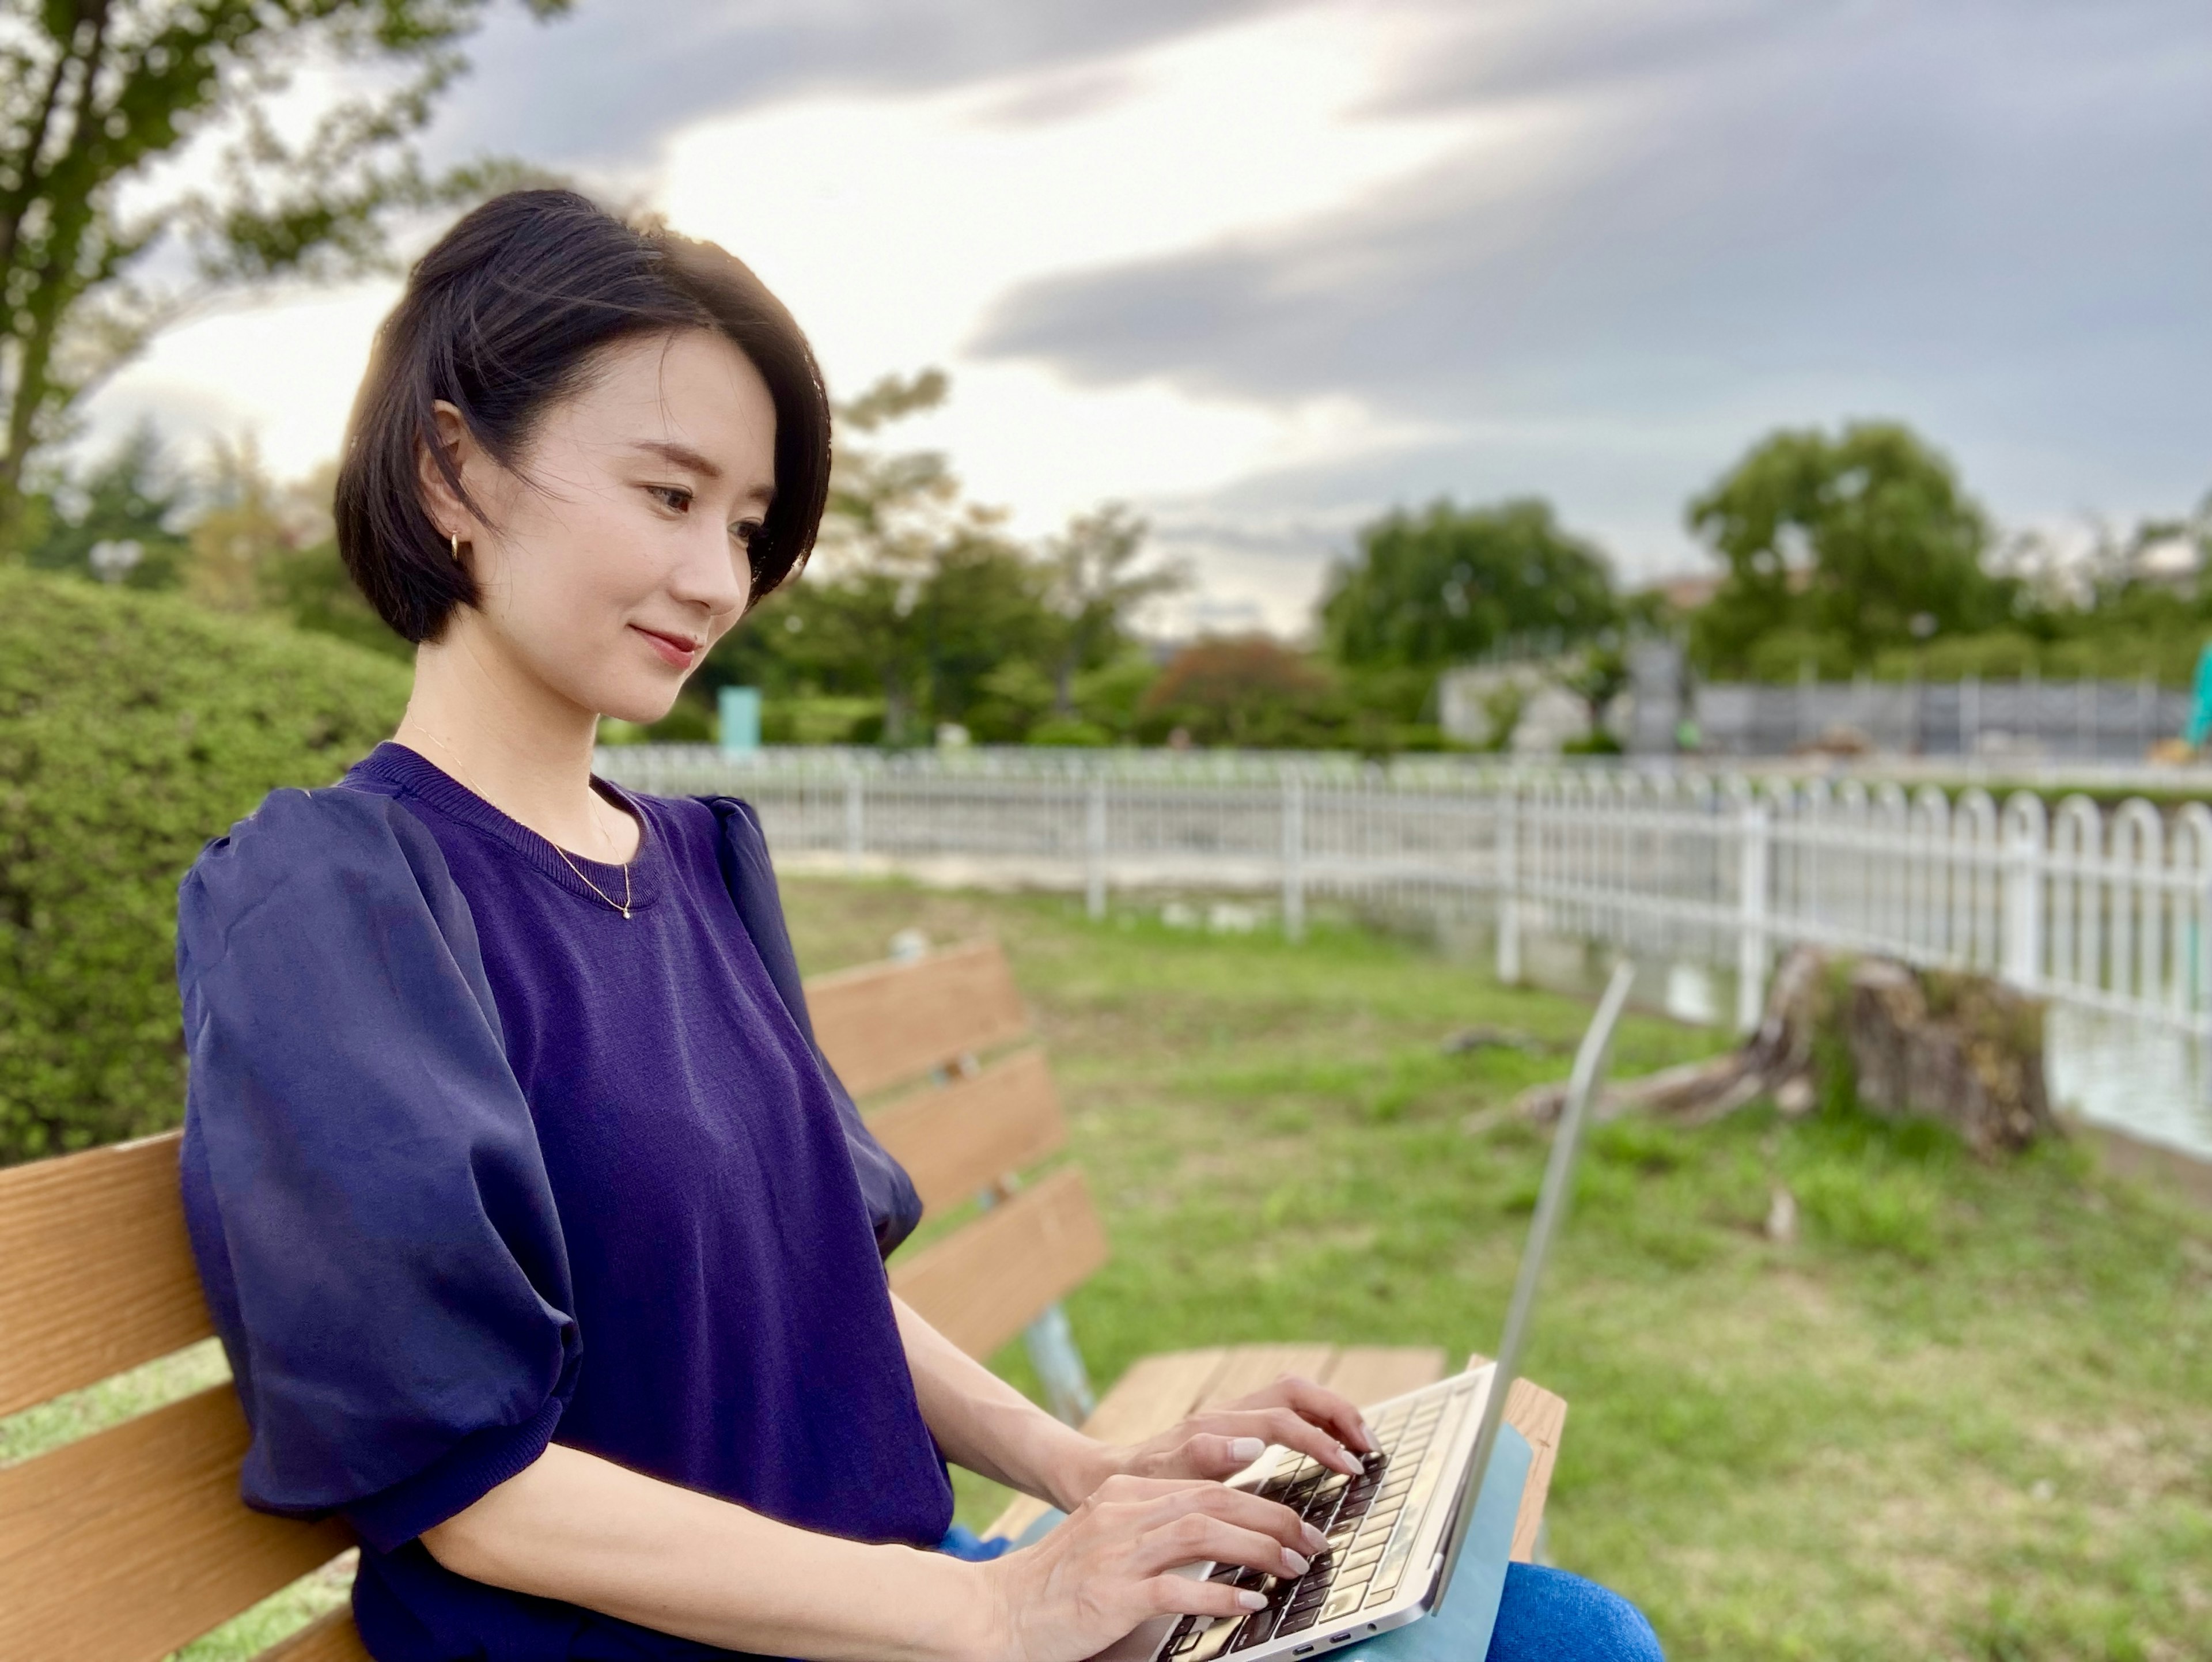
(124, 1544)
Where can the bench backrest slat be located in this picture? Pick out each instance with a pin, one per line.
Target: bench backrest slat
(125, 1544)
(983, 1284)
(99, 1275)
(957, 1141)
(883, 1024)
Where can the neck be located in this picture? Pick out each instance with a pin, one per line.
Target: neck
(514, 741)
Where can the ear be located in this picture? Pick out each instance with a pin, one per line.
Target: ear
(448, 508)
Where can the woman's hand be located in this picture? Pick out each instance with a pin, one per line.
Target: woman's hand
(1106, 1570)
(1220, 1441)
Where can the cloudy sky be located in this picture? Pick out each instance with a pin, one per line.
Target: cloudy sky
(1266, 268)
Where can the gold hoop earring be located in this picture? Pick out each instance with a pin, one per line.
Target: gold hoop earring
(454, 541)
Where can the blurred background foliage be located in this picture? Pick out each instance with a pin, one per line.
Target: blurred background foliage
(133, 725)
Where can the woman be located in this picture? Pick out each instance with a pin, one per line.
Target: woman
(545, 1245)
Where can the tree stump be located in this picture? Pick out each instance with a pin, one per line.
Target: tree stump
(1961, 1048)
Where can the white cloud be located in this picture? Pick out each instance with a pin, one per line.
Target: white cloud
(283, 370)
(891, 223)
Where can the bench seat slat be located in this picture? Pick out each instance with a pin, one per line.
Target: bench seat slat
(1252, 1365)
(957, 1141)
(982, 1285)
(124, 1545)
(1375, 1373)
(100, 1275)
(1541, 1417)
(884, 1024)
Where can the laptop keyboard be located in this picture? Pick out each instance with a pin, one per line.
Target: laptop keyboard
(1370, 1521)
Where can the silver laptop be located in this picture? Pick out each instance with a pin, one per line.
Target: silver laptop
(1395, 1531)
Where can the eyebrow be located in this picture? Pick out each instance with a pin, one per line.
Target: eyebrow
(683, 455)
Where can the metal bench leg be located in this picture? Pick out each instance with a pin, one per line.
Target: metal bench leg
(1059, 1365)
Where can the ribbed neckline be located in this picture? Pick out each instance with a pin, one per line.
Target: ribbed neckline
(417, 775)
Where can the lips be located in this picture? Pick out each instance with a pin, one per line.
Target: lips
(677, 650)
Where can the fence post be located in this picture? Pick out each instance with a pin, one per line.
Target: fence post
(855, 822)
(2200, 957)
(1294, 857)
(2023, 956)
(1509, 881)
(1094, 851)
(1751, 927)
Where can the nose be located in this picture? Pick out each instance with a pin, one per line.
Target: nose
(713, 575)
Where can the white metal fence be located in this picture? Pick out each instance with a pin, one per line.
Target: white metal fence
(2109, 909)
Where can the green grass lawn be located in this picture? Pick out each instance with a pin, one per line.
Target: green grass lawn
(1967, 1415)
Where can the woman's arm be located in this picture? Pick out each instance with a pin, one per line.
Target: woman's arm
(983, 1423)
(574, 1527)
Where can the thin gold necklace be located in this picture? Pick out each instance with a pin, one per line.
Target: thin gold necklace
(622, 905)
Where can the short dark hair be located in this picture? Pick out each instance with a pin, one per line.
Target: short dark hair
(500, 319)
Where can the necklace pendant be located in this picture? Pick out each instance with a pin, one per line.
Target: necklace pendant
(625, 912)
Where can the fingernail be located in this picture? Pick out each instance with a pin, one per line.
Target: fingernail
(1294, 1563)
(1367, 1436)
(1315, 1540)
(1250, 1600)
(1349, 1463)
(1247, 1449)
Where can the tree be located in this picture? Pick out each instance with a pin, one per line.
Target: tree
(1866, 537)
(1096, 591)
(1449, 584)
(1598, 676)
(914, 594)
(1247, 690)
(890, 516)
(133, 497)
(109, 108)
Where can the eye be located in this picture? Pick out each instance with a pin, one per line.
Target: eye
(747, 530)
(673, 497)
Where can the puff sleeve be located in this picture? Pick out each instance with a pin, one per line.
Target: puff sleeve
(893, 1208)
(368, 1201)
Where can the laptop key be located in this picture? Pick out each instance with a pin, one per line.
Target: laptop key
(1257, 1629)
(1344, 1601)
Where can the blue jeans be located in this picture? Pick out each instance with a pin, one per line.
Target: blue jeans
(1545, 1616)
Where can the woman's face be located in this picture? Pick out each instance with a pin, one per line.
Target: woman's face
(617, 555)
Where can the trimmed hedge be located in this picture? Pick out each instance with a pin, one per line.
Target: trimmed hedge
(133, 728)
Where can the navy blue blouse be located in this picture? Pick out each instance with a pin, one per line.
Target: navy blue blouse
(472, 1163)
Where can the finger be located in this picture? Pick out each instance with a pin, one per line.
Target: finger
(1292, 1429)
(1214, 1454)
(1197, 1537)
(1179, 1595)
(1283, 1425)
(1236, 1506)
(1125, 1487)
(1335, 1414)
